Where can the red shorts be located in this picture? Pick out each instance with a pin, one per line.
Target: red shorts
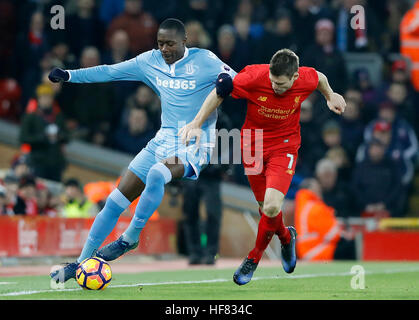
(275, 170)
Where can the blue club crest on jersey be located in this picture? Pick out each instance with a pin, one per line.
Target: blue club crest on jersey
(191, 68)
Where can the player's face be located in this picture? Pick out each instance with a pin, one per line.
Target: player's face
(280, 84)
(171, 45)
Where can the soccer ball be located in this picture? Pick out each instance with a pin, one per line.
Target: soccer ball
(94, 274)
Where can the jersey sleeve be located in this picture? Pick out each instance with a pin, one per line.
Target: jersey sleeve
(129, 70)
(217, 66)
(241, 84)
(311, 78)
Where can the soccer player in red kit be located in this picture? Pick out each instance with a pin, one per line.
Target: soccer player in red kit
(274, 93)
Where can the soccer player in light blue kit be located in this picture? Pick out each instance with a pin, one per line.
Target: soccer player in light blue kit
(182, 78)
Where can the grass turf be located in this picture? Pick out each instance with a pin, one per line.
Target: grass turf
(384, 280)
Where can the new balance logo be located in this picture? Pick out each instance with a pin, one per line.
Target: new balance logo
(263, 99)
(176, 84)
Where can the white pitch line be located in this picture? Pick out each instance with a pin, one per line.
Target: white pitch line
(6, 283)
(299, 276)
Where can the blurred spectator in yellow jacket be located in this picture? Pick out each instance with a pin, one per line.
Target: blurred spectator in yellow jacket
(76, 204)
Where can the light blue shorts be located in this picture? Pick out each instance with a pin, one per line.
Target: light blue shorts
(166, 145)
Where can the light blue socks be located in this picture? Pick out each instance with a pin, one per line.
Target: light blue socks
(150, 199)
(104, 223)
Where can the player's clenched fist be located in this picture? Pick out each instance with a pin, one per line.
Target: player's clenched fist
(57, 75)
(336, 103)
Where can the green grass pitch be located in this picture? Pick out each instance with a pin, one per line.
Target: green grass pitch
(383, 280)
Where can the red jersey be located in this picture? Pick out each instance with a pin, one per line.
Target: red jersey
(277, 115)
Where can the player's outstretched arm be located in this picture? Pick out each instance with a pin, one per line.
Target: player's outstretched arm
(193, 129)
(223, 88)
(335, 101)
(129, 70)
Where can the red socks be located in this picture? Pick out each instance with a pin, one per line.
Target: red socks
(282, 231)
(266, 229)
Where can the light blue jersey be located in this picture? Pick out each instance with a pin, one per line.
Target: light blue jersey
(182, 88)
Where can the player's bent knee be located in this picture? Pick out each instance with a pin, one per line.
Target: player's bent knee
(154, 180)
(158, 175)
(271, 210)
(273, 202)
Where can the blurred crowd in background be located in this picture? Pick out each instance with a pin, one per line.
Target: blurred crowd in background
(365, 160)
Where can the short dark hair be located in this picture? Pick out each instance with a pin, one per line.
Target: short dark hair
(174, 24)
(73, 182)
(27, 180)
(284, 62)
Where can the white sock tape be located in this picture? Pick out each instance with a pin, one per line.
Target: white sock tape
(164, 171)
(119, 199)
